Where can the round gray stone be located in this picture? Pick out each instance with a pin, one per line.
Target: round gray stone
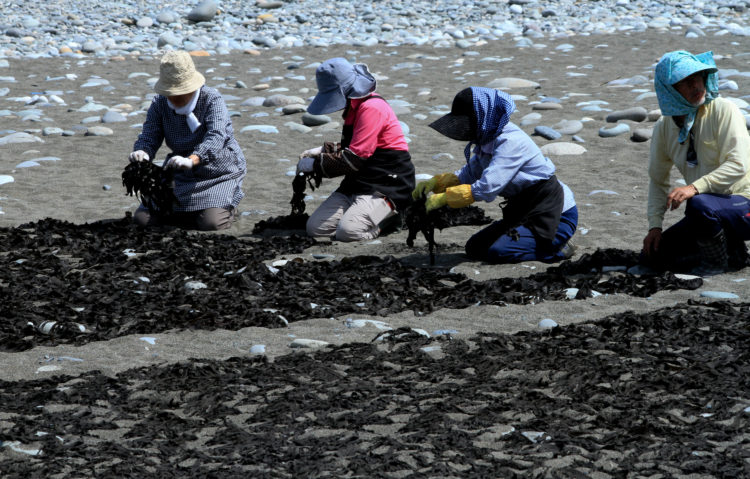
(654, 115)
(254, 101)
(91, 46)
(113, 117)
(52, 131)
(203, 12)
(568, 127)
(145, 22)
(292, 109)
(99, 131)
(511, 82)
(298, 127)
(616, 130)
(531, 119)
(282, 100)
(168, 38)
(562, 148)
(547, 132)
(636, 113)
(718, 295)
(641, 134)
(547, 106)
(167, 16)
(315, 120)
(20, 137)
(260, 128)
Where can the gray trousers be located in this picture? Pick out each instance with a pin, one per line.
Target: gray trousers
(209, 219)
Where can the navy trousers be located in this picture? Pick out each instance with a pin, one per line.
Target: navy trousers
(705, 216)
(493, 246)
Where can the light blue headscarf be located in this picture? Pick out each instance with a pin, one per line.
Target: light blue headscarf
(673, 67)
(493, 109)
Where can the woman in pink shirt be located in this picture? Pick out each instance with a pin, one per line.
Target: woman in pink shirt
(373, 157)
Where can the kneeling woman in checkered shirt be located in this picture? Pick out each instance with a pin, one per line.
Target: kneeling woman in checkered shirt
(208, 163)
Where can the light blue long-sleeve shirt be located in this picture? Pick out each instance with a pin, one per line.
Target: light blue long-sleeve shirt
(508, 165)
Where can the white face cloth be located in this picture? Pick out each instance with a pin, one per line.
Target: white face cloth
(187, 110)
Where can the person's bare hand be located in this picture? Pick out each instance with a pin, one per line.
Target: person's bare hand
(680, 194)
(651, 241)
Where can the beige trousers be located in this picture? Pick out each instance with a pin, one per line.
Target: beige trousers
(349, 217)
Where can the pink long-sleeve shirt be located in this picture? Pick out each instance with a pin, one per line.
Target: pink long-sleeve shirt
(377, 127)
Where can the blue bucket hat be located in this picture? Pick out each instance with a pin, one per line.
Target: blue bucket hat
(676, 66)
(337, 80)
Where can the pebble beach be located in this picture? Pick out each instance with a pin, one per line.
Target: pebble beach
(76, 80)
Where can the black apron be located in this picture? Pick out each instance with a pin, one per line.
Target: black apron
(537, 207)
(387, 172)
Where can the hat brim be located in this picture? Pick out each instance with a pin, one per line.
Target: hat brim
(170, 89)
(457, 127)
(694, 68)
(327, 102)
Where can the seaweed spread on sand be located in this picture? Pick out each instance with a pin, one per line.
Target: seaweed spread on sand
(630, 395)
(115, 279)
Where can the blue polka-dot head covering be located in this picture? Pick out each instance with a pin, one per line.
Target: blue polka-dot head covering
(493, 109)
(675, 66)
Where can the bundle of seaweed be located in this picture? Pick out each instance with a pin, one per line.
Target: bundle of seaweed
(299, 184)
(152, 184)
(419, 220)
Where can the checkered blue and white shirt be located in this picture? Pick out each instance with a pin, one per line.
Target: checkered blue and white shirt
(217, 181)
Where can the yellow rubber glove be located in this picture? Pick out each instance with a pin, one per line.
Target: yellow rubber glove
(437, 184)
(445, 180)
(435, 201)
(459, 196)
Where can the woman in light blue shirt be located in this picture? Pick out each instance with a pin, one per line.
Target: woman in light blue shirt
(539, 215)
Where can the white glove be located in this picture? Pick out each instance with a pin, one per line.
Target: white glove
(180, 162)
(139, 155)
(305, 164)
(313, 152)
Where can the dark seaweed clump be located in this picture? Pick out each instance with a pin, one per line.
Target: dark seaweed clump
(151, 184)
